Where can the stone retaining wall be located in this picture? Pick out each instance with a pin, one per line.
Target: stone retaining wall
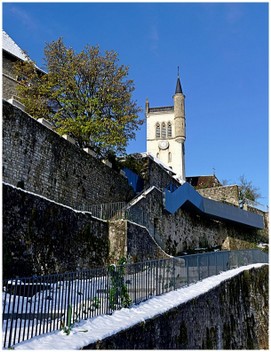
(39, 160)
(42, 237)
(186, 230)
(233, 315)
(228, 194)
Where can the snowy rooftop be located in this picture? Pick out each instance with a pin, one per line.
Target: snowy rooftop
(98, 328)
(10, 46)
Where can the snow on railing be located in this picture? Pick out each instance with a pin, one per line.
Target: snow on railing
(37, 305)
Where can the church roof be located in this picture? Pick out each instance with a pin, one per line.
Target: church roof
(167, 108)
(201, 181)
(161, 108)
(178, 86)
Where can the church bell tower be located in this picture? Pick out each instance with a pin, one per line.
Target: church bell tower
(166, 132)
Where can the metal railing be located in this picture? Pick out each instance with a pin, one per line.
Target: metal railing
(38, 305)
(107, 211)
(122, 211)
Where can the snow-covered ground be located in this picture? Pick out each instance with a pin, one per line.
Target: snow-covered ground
(98, 328)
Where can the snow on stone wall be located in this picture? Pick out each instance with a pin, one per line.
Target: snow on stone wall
(231, 316)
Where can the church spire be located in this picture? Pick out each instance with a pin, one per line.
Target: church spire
(178, 85)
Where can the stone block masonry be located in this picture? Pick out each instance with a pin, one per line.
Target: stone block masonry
(9, 82)
(233, 315)
(42, 237)
(185, 231)
(228, 194)
(39, 160)
(132, 241)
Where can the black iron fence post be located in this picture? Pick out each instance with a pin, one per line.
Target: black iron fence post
(173, 273)
(216, 269)
(187, 272)
(12, 317)
(208, 266)
(198, 267)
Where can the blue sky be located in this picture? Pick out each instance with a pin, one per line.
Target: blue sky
(222, 51)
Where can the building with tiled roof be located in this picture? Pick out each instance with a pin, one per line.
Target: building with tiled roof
(199, 182)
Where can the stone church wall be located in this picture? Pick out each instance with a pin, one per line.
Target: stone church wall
(231, 316)
(42, 237)
(39, 160)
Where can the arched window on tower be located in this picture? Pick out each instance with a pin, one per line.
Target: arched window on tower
(157, 130)
(164, 132)
(169, 129)
(169, 157)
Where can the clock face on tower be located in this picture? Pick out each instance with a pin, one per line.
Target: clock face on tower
(163, 144)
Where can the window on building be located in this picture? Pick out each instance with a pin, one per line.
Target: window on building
(169, 157)
(169, 129)
(157, 155)
(164, 132)
(157, 130)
